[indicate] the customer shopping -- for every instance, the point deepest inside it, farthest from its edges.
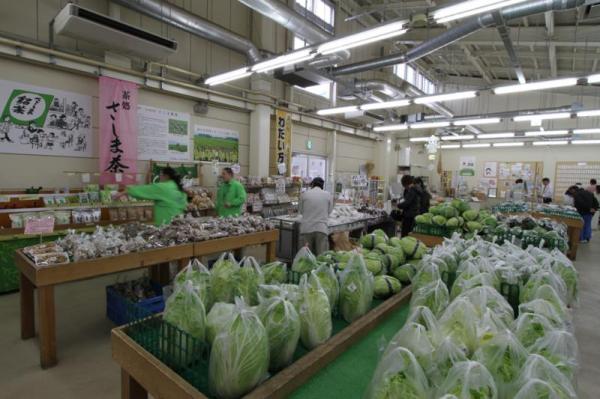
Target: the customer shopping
(315, 206)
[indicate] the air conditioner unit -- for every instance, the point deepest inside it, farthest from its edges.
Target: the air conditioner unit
(80, 23)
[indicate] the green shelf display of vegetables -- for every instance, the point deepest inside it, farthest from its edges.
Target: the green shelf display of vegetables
(486, 321)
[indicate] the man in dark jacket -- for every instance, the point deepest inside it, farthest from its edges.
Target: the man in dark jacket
(586, 204)
(425, 197)
(410, 204)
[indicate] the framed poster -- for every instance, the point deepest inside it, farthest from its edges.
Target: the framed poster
(490, 169)
(467, 166)
(41, 121)
(215, 144)
(164, 135)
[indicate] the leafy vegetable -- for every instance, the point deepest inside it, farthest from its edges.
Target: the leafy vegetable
(315, 314)
(415, 338)
(185, 310)
(413, 248)
(469, 380)
(404, 273)
(329, 283)
(275, 273)
(529, 327)
(459, 323)
(282, 323)
(433, 295)
(247, 279)
(218, 319)
(304, 261)
(445, 356)
(537, 367)
(559, 347)
(199, 275)
(386, 286)
(356, 289)
(222, 278)
(370, 241)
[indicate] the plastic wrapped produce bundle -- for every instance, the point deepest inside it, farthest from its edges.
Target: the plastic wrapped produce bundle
(275, 273)
(560, 348)
(424, 316)
(445, 356)
(548, 293)
(356, 289)
(404, 273)
(433, 295)
(564, 267)
(538, 389)
(426, 274)
(282, 324)
(529, 327)
(185, 310)
(490, 325)
(487, 297)
(414, 337)
(247, 278)
(540, 278)
(503, 356)
(545, 308)
(239, 357)
(329, 283)
(315, 314)
(199, 275)
(218, 319)
(222, 278)
(398, 375)
(464, 283)
(469, 380)
(304, 261)
(459, 323)
(537, 367)
(413, 248)
(386, 286)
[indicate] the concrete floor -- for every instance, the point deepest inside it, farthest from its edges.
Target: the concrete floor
(86, 370)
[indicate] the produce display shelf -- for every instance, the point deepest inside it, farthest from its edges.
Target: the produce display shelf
(79, 207)
(45, 278)
(144, 373)
(428, 240)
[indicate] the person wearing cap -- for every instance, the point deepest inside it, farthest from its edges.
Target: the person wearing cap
(315, 206)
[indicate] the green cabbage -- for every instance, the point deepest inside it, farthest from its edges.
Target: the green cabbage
(247, 279)
(529, 327)
(386, 286)
(329, 283)
(222, 278)
(392, 261)
(239, 357)
(404, 273)
(199, 275)
(218, 319)
(470, 215)
(315, 314)
(356, 289)
(452, 223)
(304, 261)
(370, 241)
(439, 220)
(282, 324)
(275, 273)
(374, 264)
(395, 242)
(185, 310)
(425, 218)
(413, 248)
(474, 226)
(328, 257)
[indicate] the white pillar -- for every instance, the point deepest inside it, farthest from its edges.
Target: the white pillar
(260, 130)
(332, 142)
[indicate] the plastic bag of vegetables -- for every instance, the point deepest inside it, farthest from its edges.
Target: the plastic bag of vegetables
(560, 348)
(356, 289)
(275, 273)
(424, 316)
(239, 356)
(459, 323)
(282, 323)
(503, 356)
(537, 367)
(487, 297)
(546, 309)
(329, 282)
(490, 325)
(199, 275)
(304, 261)
(222, 278)
(415, 338)
(428, 273)
(315, 313)
(529, 327)
(540, 278)
(537, 389)
(218, 319)
(565, 269)
(445, 356)
(469, 380)
(247, 278)
(433, 295)
(398, 375)
(548, 293)
(185, 310)
(463, 283)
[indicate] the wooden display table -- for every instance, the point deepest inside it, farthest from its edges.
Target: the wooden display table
(143, 374)
(430, 241)
(45, 278)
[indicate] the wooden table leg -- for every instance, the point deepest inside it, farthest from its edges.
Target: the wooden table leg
(271, 254)
(130, 388)
(574, 235)
(27, 308)
(47, 326)
(160, 274)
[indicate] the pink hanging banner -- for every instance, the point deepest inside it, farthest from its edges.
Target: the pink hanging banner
(118, 131)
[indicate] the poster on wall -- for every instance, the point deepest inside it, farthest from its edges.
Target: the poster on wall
(41, 121)
(215, 144)
(164, 135)
(467, 166)
(118, 131)
(504, 170)
(490, 169)
(283, 141)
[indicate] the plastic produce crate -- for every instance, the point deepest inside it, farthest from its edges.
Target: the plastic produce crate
(121, 310)
(433, 230)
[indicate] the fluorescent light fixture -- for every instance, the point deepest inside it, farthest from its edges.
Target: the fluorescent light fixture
(449, 146)
(562, 142)
(472, 7)
(428, 125)
(585, 141)
(385, 105)
(284, 60)
(586, 131)
(547, 133)
(480, 121)
(365, 37)
(542, 117)
(390, 128)
(592, 112)
(495, 135)
(534, 86)
(593, 78)
(338, 110)
(456, 138)
(438, 98)
(419, 139)
(511, 144)
(477, 145)
(228, 76)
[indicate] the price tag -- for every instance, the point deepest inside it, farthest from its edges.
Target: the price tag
(39, 225)
(85, 177)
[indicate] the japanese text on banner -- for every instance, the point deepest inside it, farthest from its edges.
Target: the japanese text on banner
(283, 142)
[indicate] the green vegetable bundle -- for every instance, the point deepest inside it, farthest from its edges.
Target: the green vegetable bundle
(329, 283)
(469, 380)
(415, 338)
(222, 280)
(386, 286)
(559, 347)
(218, 319)
(404, 273)
(537, 367)
(413, 248)
(530, 327)
(315, 313)
(434, 295)
(445, 356)
(370, 241)
(185, 310)
(356, 289)
(199, 275)
(247, 278)
(459, 322)
(275, 273)
(304, 261)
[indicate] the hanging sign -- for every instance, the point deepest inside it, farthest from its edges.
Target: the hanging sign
(283, 141)
(118, 130)
(43, 225)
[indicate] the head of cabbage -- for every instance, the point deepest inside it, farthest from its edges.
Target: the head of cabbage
(199, 275)
(222, 278)
(315, 313)
(356, 289)
(185, 310)
(247, 278)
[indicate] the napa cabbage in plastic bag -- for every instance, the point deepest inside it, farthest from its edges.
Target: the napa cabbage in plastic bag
(487, 297)
(275, 273)
(428, 273)
(548, 293)
(464, 283)
(538, 389)
(490, 325)
(398, 375)
(544, 308)
(529, 327)
(538, 367)
(433, 295)
(560, 348)
(329, 283)
(304, 261)
(222, 280)
(445, 356)
(315, 313)
(543, 277)
(247, 278)
(185, 310)
(415, 338)
(218, 319)
(565, 269)
(239, 357)
(356, 289)
(469, 380)
(503, 356)
(199, 275)
(282, 323)
(459, 323)
(424, 316)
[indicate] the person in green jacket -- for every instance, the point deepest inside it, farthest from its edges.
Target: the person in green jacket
(169, 198)
(231, 195)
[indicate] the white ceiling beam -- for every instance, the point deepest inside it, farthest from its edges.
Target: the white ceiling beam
(473, 60)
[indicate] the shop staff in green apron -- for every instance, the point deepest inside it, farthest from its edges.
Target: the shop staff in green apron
(231, 195)
(169, 198)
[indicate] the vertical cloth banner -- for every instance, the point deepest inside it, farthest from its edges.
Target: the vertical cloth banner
(283, 142)
(118, 131)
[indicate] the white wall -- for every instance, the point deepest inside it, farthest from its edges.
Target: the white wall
(353, 152)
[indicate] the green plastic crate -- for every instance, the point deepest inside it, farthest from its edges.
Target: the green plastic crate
(433, 230)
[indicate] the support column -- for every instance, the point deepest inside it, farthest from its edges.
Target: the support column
(332, 141)
(384, 163)
(260, 130)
